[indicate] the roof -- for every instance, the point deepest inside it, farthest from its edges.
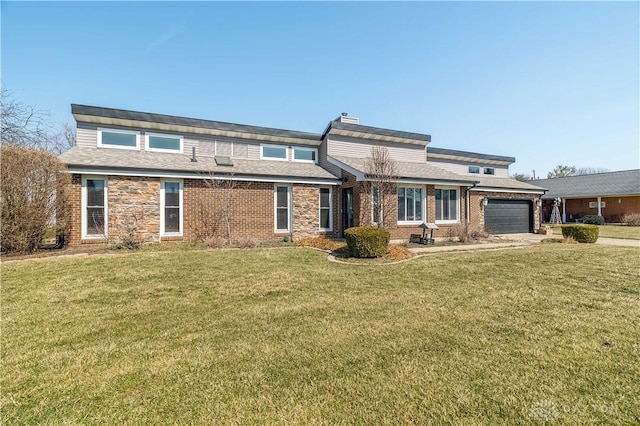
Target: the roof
(487, 183)
(367, 132)
(408, 171)
(626, 182)
(464, 155)
(169, 163)
(101, 115)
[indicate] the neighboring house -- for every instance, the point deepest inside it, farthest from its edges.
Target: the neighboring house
(174, 178)
(611, 195)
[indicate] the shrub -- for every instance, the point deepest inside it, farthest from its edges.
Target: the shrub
(248, 242)
(593, 219)
(581, 233)
(32, 197)
(367, 241)
(632, 219)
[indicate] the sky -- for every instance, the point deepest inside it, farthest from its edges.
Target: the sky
(547, 83)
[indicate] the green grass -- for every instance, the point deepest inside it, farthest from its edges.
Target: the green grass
(281, 336)
(612, 231)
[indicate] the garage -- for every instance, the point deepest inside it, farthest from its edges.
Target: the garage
(508, 216)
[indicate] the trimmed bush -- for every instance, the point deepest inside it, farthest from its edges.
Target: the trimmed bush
(367, 241)
(581, 233)
(593, 219)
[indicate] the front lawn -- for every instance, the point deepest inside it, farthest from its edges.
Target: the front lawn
(547, 333)
(612, 231)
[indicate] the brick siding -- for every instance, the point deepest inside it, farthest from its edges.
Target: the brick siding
(616, 208)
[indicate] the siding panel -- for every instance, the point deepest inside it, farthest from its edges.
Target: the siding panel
(350, 147)
(463, 168)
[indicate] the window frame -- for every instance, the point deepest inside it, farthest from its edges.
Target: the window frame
(423, 204)
(448, 188)
(330, 208)
(84, 199)
(375, 192)
(164, 233)
(492, 173)
(275, 208)
(301, 148)
(286, 152)
(147, 135)
(102, 130)
(475, 168)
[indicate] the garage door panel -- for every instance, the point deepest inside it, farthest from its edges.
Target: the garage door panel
(508, 216)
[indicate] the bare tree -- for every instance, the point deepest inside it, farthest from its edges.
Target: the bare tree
(590, 171)
(217, 211)
(22, 124)
(522, 177)
(380, 173)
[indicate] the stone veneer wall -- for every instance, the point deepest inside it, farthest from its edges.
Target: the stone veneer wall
(134, 201)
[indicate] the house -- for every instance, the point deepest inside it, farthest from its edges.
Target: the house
(611, 195)
(174, 178)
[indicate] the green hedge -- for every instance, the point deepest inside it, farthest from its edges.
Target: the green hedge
(581, 233)
(366, 241)
(593, 219)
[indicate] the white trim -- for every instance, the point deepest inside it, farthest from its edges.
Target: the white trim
(162, 206)
(304, 148)
(330, 228)
(163, 135)
(83, 206)
(126, 132)
(458, 194)
(523, 191)
(275, 209)
(265, 145)
(200, 175)
(423, 204)
(464, 183)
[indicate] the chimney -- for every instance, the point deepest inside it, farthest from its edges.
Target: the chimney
(344, 118)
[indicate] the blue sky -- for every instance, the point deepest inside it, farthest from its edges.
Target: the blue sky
(548, 83)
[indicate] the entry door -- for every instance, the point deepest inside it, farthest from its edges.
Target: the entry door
(347, 209)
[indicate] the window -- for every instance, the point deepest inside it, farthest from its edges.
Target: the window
(410, 204)
(122, 139)
(282, 207)
(273, 152)
(325, 209)
(171, 208)
(304, 154)
(94, 211)
(447, 205)
(474, 170)
(376, 206)
(489, 171)
(164, 143)
(594, 204)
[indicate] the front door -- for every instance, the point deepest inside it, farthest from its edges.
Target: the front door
(347, 209)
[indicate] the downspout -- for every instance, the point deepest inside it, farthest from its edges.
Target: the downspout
(468, 203)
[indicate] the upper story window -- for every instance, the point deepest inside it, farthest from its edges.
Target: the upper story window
(304, 154)
(163, 143)
(273, 152)
(489, 171)
(122, 139)
(284, 153)
(474, 170)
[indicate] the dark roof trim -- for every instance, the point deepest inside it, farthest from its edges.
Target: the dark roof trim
(376, 131)
(477, 155)
(192, 122)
